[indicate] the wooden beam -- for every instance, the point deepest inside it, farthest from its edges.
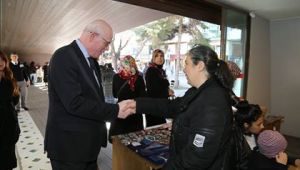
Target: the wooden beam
(196, 9)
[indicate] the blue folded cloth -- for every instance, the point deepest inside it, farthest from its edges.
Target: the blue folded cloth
(156, 159)
(154, 150)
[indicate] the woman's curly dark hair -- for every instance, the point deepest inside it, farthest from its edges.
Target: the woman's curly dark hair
(246, 113)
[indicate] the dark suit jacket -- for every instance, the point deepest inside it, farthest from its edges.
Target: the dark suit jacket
(77, 113)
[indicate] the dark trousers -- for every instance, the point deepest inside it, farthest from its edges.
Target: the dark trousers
(63, 165)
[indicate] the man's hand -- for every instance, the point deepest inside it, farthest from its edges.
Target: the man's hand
(126, 108)
(27, 83)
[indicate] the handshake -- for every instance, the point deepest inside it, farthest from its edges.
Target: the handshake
(126, 108)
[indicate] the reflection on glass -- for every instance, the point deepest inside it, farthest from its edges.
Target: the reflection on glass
(236, 34)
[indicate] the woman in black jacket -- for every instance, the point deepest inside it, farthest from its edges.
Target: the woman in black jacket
(157, 84)
(127, 84)
(203, 117)
(9, 127)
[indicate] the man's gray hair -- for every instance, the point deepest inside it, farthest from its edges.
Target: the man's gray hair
(95, 26)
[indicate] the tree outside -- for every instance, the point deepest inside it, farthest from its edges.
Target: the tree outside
(175, 35)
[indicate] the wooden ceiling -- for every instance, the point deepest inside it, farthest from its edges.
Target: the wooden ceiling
(41, 26)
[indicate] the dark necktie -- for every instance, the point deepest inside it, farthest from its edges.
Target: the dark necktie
(96, 69)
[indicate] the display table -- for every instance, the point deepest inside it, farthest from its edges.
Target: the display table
(132, 151)
(142, 150)
(124, 158)
(273, 122)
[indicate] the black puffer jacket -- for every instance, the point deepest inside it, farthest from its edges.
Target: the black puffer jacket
(201, 129)
(241, 149)
(9, 126)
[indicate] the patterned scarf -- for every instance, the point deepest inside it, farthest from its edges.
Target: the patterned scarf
(234, 69)
(128, 71)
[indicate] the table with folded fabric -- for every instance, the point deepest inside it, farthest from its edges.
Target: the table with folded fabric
(143, 150)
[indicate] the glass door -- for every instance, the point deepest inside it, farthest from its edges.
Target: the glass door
(234, 42)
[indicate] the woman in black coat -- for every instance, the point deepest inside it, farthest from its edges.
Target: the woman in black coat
(127, 84)
(203, 117)
(157, 84)
(9, 127)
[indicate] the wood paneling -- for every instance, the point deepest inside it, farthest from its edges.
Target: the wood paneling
(197, 9)
(42, 26)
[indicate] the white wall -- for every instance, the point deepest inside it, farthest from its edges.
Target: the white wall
(258, 91)
(274, 70)
(285, 76)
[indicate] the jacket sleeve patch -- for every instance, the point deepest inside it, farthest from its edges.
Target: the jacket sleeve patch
(199, 140)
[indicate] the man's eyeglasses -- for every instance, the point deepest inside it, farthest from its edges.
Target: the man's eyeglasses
(105, 41)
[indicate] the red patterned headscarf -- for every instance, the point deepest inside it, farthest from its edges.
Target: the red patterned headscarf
(128, 70)
(234, 68)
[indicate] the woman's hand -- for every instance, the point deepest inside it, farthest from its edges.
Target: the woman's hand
(171, 93)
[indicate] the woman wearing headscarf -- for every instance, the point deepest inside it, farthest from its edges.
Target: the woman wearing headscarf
(9, 127)
(157, 84)
(128, 83)
(202, 118)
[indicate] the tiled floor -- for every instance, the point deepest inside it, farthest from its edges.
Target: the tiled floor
(30, 145)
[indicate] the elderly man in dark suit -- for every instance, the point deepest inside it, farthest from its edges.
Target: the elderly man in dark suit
(77, 112)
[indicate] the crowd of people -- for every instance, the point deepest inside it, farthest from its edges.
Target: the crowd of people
(37, 73)
(207, 133)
